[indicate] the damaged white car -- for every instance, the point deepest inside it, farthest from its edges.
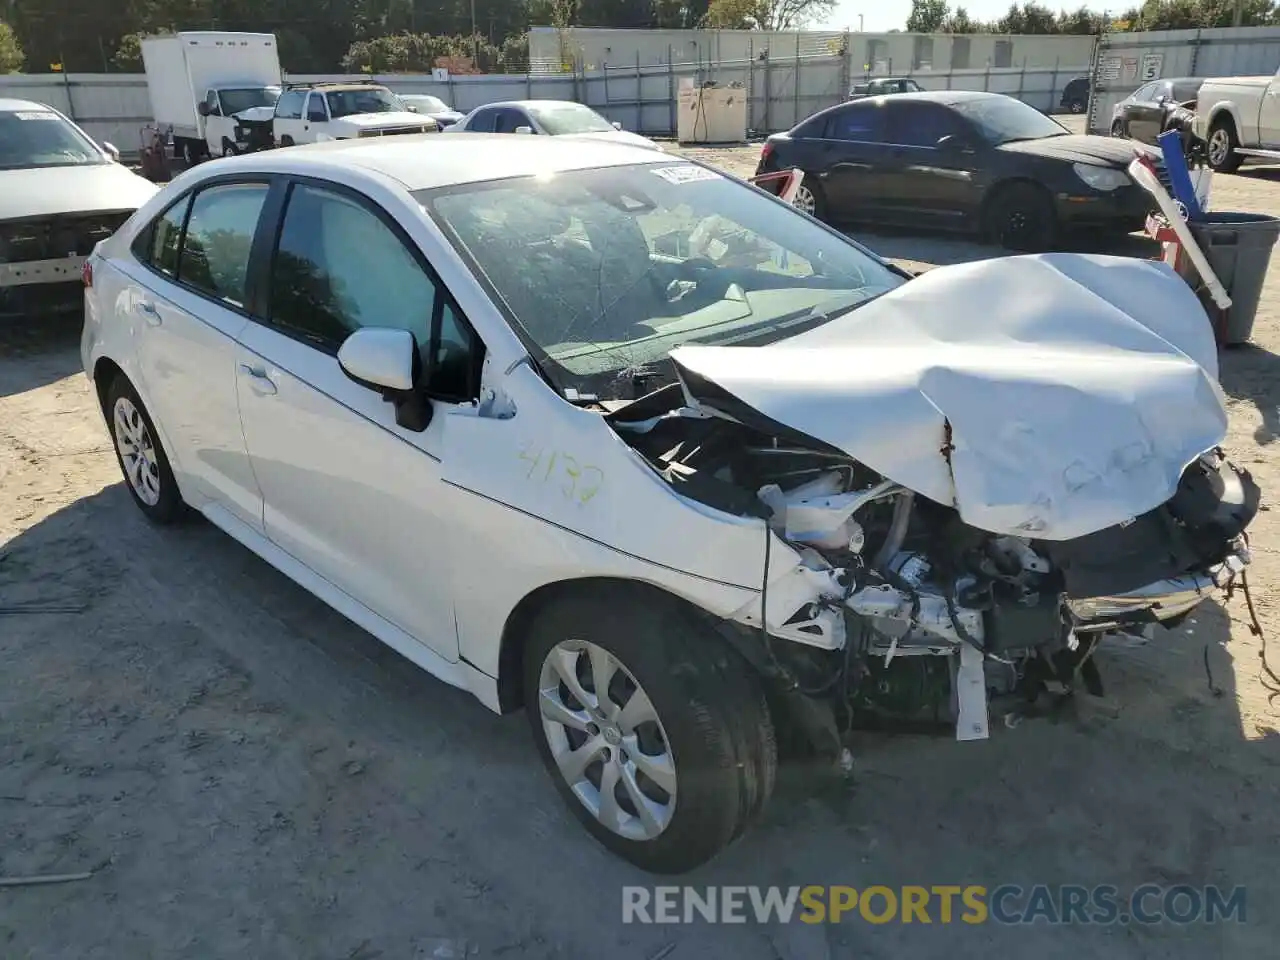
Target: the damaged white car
(690, 478)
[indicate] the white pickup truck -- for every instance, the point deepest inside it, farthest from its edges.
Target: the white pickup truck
(316, 112)
(1239, 119)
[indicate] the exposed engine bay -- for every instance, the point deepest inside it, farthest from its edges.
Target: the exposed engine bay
(899, 610)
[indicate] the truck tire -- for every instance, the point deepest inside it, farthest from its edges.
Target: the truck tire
(1221, 146)
(228, 148)
(286, 141)
(670, 792)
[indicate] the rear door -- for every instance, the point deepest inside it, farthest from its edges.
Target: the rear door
(920, 177)
(1145, 114)
(849, 158)
(187, 300)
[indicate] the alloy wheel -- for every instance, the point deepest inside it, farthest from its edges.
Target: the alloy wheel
(1219, 146)
(137, 451)
(805, 200)
(607, 740)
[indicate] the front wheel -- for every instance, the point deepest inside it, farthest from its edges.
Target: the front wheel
(229, 149)
(655, 732)
(1021, 217)
(1222, 147)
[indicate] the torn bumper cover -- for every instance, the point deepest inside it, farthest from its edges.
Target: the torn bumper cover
(1045, 430)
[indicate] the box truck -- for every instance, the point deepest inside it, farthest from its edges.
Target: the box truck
(216, 92)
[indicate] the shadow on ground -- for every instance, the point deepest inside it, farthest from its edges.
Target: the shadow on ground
(38, 350)
(1252, 373)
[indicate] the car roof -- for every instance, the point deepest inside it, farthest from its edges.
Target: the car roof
(524, 104)
(428, 161)
(10, 106)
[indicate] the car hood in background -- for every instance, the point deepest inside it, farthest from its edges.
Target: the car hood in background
(1079, 148)
(1046, 396)
(445, 116)
(255, 114)
(91, 188)
(398, 118)
(618, 136)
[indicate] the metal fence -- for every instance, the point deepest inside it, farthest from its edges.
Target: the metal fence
(1125, 61)
(781, 91)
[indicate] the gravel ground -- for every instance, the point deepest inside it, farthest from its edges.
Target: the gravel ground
(249, 775)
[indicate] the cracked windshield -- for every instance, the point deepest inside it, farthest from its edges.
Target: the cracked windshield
(607, 270)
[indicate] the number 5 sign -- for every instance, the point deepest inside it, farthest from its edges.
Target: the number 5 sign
(1152, 63)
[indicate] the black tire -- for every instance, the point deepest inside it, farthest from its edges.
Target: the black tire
(286, 141)
(709, 703)
(1227, 161)
(168, 506)
(229, 149)
(1077, 105)
(1020, 216)
(1117, 129)
(819, 210)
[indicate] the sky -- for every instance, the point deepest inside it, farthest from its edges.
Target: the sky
(882, 15)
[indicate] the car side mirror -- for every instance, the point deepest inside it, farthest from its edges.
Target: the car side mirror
(617, 124)
(411, 108)
(203, 108)
(388, 360)
(523, 129)
(111, 150)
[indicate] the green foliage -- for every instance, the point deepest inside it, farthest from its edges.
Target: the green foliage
(929, 16)
(11, 57)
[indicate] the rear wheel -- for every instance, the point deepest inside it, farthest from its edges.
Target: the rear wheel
(1077, 105)
(1117, 129)
(810, 199)
(142, 460)
(1222, 146)
(1021, 217)
(656, 734)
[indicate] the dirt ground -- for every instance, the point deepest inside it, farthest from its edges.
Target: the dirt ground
(249, 775)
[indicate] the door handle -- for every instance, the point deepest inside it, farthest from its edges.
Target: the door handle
(148, 311)
(259, 382)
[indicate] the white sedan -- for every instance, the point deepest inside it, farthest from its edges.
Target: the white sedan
(628, 444)
(555, 118)
(60, 193)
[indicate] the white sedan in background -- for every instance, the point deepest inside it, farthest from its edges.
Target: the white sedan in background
(60, 193)
(617, 440)
(554, 118)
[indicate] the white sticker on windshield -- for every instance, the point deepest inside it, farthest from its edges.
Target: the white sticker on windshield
(35, 115)
(688, 173)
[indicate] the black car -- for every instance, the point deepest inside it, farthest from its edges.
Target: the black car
(1075, 95)
(1146, 113)
(960, 160)
(883, 85)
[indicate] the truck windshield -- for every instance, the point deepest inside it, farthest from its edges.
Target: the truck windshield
(41, 138)
(347, 103)
(233, 101)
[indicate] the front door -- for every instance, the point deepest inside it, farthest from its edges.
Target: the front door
(1269, 117)
(925, 175)
(189, 306)
(347, 491)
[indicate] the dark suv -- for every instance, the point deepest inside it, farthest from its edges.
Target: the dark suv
(1075, 96)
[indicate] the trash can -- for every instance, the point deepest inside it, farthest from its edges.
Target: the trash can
(1238, 248)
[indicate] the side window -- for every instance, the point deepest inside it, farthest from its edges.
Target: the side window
(289, 106)
(862, 123)
(482, 122)
(212, 100)
(919, 124)
(315, 108)
(506, 121)
(215, 250)
(338, 267)
(158, 245)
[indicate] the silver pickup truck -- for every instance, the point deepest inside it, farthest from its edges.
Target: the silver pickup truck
(1239, 118)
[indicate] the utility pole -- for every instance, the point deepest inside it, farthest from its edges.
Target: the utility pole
(475, 38)
(1237, 13)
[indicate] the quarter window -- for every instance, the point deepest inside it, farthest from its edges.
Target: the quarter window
(165, 238)
(340, 267)
(219, 237)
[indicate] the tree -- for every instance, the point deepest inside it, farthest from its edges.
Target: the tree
(128, 56)
(927, 16)
(11, 57)
(730, 15)
(959, 21)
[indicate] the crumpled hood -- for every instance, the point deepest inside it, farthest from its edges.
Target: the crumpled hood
(90, 188)
(1081, 148)
(255, 114)
(1045, 396)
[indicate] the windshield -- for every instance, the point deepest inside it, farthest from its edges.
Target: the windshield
(429, 104)
(1006, 120)
(570, 118)
(346, 103)
(41, 138)
(605, 271)
(233, 101)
